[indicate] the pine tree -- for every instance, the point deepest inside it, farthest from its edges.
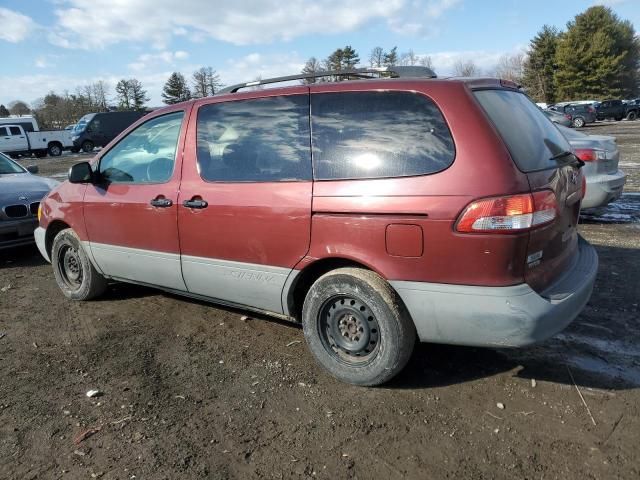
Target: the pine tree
(176, 89)
(350, 58)
(597, 57)
(3, 111)
(539, 68)
(391, 58)
(138, 94)
(123, 94)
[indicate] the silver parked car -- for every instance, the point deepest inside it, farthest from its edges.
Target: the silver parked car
(600, 154)
(20, 195)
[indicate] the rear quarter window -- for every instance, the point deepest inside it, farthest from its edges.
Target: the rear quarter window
(532, 139)
(378, 134)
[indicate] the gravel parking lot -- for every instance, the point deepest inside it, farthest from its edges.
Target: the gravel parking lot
(193, 390)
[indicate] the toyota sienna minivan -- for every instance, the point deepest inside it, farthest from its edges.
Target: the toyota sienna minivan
(374, 211)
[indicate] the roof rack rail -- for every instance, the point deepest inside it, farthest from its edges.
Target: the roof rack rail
(392, 72)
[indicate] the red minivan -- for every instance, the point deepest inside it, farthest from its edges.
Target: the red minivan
(372, 211)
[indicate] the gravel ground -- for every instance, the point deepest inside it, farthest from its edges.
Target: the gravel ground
(190, 390)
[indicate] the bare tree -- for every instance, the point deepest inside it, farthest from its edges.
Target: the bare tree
(20, 108)
(511, 67)
(466, 68)
(409, 58)
(205, 82)
(376, 57)
(426, 61)
(100, 92)
(311, 67)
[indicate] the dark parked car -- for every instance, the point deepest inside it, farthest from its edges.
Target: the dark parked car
(557, 117)
(352, 207)
(98, 129)
(615, 109)
(581, 114)
(20, 195)
(632, 109)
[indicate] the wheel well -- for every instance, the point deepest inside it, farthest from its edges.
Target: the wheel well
(308, 276)
(54, 142)
(53, 229)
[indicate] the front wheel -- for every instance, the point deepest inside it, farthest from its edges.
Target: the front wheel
(578, 122)
(87, 146)
(357, 327)
(632, 116)
(74, 273)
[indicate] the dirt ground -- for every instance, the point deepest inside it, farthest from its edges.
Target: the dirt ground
(190, 390)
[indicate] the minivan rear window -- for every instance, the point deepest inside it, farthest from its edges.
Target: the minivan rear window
(378, 134)
(532, 139)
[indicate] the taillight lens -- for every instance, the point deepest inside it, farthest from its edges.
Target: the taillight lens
(509, 214)
(590, 154)
(567, 116)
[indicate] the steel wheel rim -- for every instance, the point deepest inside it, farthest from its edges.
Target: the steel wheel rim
(55, 151)
(349, 330)
(70, 267)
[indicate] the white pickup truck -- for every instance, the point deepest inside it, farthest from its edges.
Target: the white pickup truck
(15, 141)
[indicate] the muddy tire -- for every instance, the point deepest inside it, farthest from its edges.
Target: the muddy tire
(74, 272)
(357, 327)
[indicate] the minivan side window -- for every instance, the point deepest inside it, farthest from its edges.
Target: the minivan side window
(378, 134)
(147, 154)
(257, 140)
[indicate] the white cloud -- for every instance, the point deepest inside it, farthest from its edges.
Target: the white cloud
(443, 62)
(14, 26)
(104, 22)
(149, 61)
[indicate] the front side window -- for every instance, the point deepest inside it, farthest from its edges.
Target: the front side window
(258, 140)
(15, 131)
(378, 134)
(145, 155)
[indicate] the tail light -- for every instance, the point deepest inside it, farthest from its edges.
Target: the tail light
(567, 116)
(509, 214)
(591, 109)
(590, 154)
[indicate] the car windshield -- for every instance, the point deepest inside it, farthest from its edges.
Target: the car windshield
(82, 123)
(8, 166)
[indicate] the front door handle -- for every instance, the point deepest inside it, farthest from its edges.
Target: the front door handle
(195, 202)
(161, 202)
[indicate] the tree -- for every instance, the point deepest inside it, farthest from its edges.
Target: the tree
(100, 92)
(466, 68)
(597, 57)
(131, 95)
(426, 62)
(20, 108)
(311, 67)
(510, 67)
(4, 112)
(350, 58)
(376, 57)
(409, 58)
(391, 58)
(539, 67)
(205, 82)
(175, 89)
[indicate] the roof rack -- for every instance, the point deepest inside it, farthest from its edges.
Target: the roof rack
(392, 72)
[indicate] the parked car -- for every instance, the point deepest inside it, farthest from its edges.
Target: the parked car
(352, 207)
(98, 129)
(15, 141)
(601, 155)
(20, 195)
(632, 109)
(611, 109)
(581, 114)
(557, 117)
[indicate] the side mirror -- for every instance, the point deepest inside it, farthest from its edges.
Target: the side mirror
(81, 173)
(33, 169)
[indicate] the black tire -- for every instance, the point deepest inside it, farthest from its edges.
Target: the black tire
(87, 146)
(578, 122)
(54, 149)
(632, 115)
(75, 275)
(357, 327)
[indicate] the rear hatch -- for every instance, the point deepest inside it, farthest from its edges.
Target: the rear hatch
(541, 152)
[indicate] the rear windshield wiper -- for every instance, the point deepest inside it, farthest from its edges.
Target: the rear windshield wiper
(568, 153)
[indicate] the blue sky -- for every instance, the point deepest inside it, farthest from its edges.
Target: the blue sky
(62, 44)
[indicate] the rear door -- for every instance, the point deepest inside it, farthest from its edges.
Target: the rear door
(244, 211)
(533, 141)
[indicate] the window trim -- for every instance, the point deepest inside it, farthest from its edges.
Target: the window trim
(386, 177)
(261, 97)
(135, 127)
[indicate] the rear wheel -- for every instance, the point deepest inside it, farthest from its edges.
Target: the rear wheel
(578, 122)
(357, 327)
(87, 146)
(74, 273)
(55, 149)
(632, 115)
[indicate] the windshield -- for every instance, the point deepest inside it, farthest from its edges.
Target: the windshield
(8, 166)
(82, 123)
(532, 139)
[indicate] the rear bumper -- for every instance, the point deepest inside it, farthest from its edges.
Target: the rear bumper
(602, 189)
(500, 316)
(18, 232)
